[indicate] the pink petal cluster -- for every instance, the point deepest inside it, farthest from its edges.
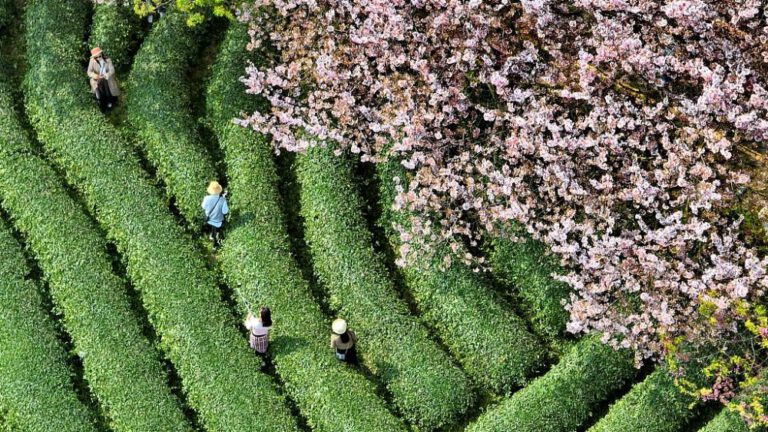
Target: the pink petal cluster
(608, 129)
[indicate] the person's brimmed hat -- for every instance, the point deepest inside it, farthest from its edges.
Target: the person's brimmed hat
(95, 52)
(339, 326)
(214, 188)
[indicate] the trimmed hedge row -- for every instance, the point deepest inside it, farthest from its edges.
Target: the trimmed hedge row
(256, 259)
(157, 101)
(654, 405)
(492, 343)
(116, 29)
(219, 373)
(527, 267)
(726, 421)
(36, 393)
(563, 398)
(97, 312)
(429, 389)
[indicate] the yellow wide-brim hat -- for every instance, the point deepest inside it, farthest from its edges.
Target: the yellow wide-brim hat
(214, 188)
(339, 326)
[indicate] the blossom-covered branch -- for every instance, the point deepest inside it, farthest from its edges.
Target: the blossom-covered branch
(607, 128)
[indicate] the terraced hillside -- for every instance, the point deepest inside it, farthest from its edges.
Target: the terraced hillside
(117, 315)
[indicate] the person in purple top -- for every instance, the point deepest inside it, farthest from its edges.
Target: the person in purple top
(259, 334)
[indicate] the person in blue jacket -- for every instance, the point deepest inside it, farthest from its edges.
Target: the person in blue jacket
(215, 207)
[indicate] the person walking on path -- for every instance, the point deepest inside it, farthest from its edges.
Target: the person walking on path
(215, 206)
(103, 81)
(259, 337)
(343, 341)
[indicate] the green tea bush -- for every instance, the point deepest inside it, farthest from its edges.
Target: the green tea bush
(158, 100)
(654, 405)
(36, 393)
(726, 421)
(97, 314)
(492, 343)
(116, 29)
(429, 390)
(256, 259)
(563, 398)
(219, 374)
(527, 267)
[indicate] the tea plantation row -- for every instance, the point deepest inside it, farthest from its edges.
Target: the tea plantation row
(405, 372)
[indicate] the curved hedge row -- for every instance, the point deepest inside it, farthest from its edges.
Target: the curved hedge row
(563, 398)
(428, 388)
(491, 342)
(726, 421)
(527, 267)
(256, 258)
(97, 313)
(116, 29)
(219, 373)
(654, 405)
(36, 393)
(157, 101)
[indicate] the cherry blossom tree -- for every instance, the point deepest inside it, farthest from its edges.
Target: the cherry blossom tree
(607, 128)
(611, 130)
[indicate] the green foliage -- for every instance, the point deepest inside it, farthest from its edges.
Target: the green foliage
(527, 267)
(491, 342)
(143, 8)
(93, 300)
(116, 29)
(157, 100)
(741, 366)
(36, 394)
(564, 398)
(430, 391)
(226, 98)
(196, 10)
(219, 373)
(654, 405)
(726, 421)
(6, 12)
(257, 259)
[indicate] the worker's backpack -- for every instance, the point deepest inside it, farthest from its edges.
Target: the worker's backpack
(342, 355)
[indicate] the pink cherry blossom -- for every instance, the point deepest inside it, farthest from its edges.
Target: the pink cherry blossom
(608, 129)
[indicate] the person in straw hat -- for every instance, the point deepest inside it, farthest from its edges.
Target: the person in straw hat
(215, 207)
(102, 76)
(343, 341)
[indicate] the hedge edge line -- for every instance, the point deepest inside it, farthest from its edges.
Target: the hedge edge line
(157, 100)
(97, 312)
(527, 268)
(563, 398)
(220, 375)
(492, 344)
(36, 393)
(256, 259)
(654, 405)
(429, 389)
(726, 421)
